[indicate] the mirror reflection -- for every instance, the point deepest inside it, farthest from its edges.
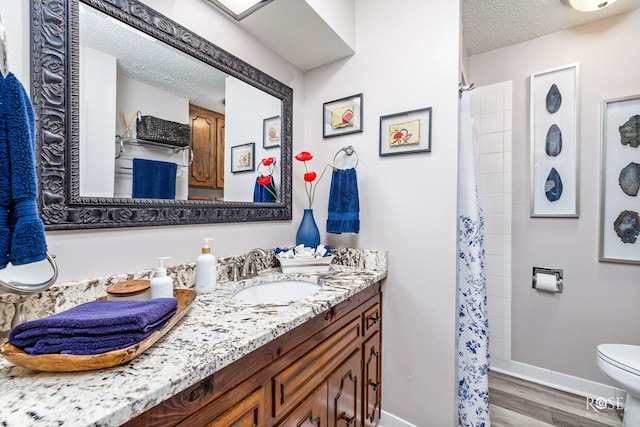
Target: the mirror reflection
(138, 96)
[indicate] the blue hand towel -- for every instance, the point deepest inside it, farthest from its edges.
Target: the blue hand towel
(153, 179)
(261, 193)
(22, 237)
(96, 320)
(344, 204)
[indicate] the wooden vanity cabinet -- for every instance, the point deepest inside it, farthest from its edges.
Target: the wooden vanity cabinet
(207, 145)
(324, 373)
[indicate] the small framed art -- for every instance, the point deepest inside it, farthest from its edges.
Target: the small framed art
(620, 181)
(243, 157)
(405, 133)
(342, 116)
(553, 142)
(271, 132)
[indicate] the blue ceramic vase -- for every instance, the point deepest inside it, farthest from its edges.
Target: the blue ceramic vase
(308, 233)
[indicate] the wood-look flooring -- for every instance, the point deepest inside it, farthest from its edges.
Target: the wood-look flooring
(518, 403)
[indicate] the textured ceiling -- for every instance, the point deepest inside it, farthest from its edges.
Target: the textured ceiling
(142, 58)
(492, 24)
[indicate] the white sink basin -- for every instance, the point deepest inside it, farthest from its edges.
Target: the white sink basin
(274, 292)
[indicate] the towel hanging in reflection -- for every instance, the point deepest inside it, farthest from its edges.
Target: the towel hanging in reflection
(264, 193)
(344, 202)
(153, 179)
(22, 237)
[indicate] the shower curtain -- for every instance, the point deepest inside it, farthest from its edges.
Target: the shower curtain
(473, 325)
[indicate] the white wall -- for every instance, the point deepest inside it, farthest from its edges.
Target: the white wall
(98, 81)
(408, 202)
(559, 333)
(245, 110)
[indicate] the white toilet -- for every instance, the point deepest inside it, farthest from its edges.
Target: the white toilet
(621, 363)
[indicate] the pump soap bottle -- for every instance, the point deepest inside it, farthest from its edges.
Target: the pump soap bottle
(161, 284)
(206, 269)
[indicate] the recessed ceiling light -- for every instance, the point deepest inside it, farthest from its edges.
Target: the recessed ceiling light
(588, 5)
(240, 9)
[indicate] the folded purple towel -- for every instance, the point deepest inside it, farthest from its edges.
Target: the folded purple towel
(86, 345)
(97, 320)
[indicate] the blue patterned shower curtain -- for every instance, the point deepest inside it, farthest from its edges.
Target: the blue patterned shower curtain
(473, 325)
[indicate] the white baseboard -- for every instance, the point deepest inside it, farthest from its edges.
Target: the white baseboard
(390, 420)
(557, 380)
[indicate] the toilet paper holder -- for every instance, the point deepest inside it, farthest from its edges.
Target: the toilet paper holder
(547, 279)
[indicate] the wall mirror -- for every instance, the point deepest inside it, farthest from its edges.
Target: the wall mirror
(88, 84)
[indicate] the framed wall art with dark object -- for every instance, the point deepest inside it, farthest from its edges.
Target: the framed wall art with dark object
(405, 133)
(243, 158)
(342, 116)
(620, 181)
(271, 132)
(554, 142)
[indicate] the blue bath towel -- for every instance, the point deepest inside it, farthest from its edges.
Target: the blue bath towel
(22, 237)
(88, 326)
(261, 193)
(153, 179)
(344, 203)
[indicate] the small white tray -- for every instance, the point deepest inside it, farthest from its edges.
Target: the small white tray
(305, 265)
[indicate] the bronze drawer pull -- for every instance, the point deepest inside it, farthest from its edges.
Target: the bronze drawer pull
(374, 386)
(374, 319)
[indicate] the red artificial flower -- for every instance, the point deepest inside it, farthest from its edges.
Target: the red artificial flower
(264, 180)
(309, 176)
(304, 156)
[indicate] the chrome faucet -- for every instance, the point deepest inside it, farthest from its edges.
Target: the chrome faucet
(248, 266)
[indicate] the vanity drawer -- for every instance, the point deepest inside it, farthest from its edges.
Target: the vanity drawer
(372, 318)
(304, 375)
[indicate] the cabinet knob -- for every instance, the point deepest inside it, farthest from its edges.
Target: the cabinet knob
(315, 421)
(375, 318)
(374, 386)
(349, 421)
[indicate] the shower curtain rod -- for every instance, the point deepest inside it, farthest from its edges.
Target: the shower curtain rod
(4, 67)
(463, 88)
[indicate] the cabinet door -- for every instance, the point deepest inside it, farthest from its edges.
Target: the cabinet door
(372, 380)
(207, 141)
(311, 413)
(345, 393)
(248, 412)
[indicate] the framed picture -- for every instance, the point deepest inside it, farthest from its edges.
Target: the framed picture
(271, 132)
(620, 181)
(406, 132)
(553, 142)
(342, 116)
(243, 157)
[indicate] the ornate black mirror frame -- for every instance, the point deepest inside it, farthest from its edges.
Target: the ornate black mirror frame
(54, 92)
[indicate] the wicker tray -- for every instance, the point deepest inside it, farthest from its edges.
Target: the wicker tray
(73, 362)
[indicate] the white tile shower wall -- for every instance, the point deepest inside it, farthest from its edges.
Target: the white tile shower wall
(491, 111)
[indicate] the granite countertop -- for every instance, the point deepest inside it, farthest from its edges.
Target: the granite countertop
(215, 332)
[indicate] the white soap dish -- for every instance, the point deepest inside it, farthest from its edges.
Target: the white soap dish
(305, 265)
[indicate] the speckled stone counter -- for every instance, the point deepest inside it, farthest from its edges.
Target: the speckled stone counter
(215, 332)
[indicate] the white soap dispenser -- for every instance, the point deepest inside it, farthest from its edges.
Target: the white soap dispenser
(206, 269)
(161, 284)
